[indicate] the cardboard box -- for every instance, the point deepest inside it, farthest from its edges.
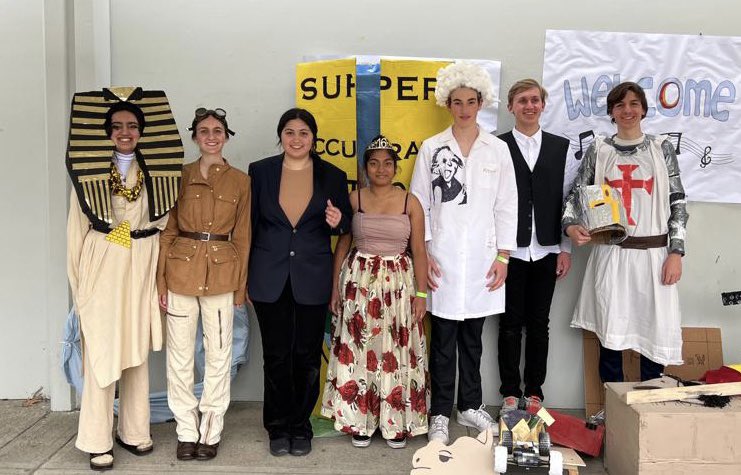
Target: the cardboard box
(670, 437)
(701, 350)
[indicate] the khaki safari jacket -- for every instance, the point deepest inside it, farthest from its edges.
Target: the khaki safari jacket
(217, 205)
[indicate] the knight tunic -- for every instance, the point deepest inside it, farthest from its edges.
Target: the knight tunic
(622, 299)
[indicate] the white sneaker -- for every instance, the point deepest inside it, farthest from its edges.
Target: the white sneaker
(479, 419)
(361, 441)
(438, 429)
(509, 404)
(399, 443)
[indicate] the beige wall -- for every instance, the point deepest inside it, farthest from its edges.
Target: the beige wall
(240, 55)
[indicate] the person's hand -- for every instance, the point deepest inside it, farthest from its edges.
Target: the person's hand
(335, 305)
(419, 308)
(563, 265)
(163, 302)
(246, 299)
(433, 272)
(578, 234)
(333, 215)
(496, 276)
(671, 271)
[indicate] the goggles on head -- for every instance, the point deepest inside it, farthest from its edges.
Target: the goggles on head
(218, 113)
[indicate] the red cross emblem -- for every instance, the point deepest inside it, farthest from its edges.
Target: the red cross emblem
(626, 185)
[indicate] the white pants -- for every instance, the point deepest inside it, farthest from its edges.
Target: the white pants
(94, 433)
(217, 313)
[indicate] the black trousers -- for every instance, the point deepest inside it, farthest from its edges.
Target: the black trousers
(292, 336)
(529, 293)
(449, 336)
(611, 366)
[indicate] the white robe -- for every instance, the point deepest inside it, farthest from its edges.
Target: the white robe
(622, 298)
(464, 232)
(114, 287)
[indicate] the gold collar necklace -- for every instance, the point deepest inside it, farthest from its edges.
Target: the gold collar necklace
(118, 188)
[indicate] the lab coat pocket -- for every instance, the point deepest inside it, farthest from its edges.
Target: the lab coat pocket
(487, 175)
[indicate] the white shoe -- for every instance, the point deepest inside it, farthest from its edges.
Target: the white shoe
(399, 443)
(438, 429)
(361, 441)
(479, 419)
(509, 404)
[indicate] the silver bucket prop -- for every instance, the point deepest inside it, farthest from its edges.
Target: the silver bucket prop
(604, 214)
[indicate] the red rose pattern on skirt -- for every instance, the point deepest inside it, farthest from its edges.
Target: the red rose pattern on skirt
(377, 373)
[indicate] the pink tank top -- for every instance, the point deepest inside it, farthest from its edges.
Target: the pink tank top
(381, 234)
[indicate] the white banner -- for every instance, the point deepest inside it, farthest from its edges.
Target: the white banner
(692, 85)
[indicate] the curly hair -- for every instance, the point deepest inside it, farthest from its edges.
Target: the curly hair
(463, 74)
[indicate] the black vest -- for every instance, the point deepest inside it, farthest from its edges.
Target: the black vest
(541, 189)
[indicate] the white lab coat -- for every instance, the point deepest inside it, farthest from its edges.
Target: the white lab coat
(468, 219)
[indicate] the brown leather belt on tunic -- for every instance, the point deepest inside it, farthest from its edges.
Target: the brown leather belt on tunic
(644, 242)
(205, 236)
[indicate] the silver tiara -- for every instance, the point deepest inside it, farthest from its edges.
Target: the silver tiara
(381, 143)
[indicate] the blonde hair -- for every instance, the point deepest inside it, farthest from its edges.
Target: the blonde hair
(524, 85)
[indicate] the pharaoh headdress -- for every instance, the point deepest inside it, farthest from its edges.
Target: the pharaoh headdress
(159, 152)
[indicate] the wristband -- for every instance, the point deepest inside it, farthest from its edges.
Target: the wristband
(421, 294)
(502, 259)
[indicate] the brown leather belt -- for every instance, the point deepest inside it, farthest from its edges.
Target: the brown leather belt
(644, 242)
(205, 236)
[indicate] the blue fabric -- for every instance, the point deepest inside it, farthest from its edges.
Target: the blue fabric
(71, 351)
(368, 104)
(159, 411)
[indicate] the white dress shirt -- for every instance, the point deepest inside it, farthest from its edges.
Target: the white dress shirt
(530, 149)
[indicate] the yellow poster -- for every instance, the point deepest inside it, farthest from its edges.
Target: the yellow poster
(409, 114)
(327, 90)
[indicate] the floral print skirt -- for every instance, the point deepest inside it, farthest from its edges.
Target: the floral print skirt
(377, 373)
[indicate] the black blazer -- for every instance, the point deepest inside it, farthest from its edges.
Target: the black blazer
(303, 254)
(541, 189)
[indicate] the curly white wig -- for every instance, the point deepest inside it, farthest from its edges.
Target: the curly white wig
(463, 74)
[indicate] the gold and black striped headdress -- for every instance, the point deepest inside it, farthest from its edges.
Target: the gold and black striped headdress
(159, 152)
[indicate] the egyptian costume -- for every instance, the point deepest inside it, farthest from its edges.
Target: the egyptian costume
(112, 248)
(623, 299)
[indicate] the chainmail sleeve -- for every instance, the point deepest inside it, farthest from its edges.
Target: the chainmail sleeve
(677, 201)
(572, 213)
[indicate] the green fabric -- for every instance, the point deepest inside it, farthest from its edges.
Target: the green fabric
(323, 427)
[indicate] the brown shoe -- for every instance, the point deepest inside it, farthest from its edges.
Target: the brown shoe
(186, 450)
(207, 452)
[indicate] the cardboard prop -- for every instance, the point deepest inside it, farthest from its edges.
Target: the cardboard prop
(89, 151)
(466, 455)
(604, 214)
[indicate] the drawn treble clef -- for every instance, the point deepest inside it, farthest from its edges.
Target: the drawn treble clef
(706, 158)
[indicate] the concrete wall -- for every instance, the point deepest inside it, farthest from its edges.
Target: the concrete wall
(241, 55)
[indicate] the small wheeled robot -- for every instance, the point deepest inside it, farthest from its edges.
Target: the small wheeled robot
(524, 442)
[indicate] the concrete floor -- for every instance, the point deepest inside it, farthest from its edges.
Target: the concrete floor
(35, 440)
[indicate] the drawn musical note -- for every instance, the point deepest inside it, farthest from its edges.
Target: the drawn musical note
(706, 155)
(678, 136)
(706, 158)
(583, 136)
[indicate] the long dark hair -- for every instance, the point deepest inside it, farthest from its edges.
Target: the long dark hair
(304, 116)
